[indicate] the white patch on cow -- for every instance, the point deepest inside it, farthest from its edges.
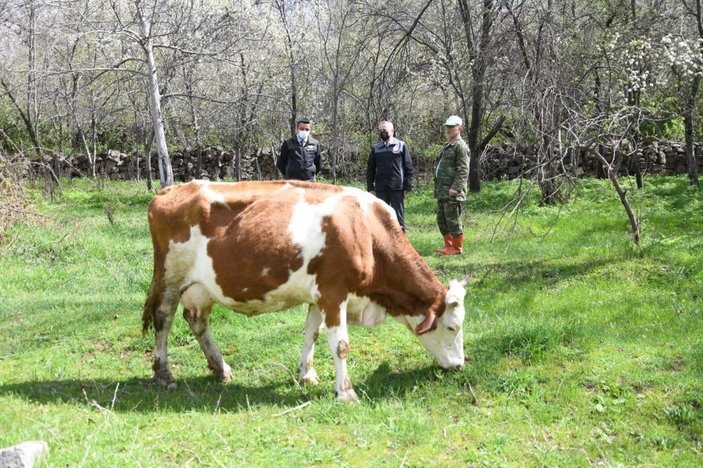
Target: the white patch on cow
(306, 225)
(188, 262)
(212, 195)
(365, 200)
(363, 311)
(265, 271)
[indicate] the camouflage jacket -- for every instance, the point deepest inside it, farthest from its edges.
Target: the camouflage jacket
(452, 171)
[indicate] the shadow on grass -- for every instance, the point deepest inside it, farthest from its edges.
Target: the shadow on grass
(145, 396)
(507, 275)
(385, 382)
(206, 394)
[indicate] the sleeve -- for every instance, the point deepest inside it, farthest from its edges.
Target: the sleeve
(318, 159)
(462, 168)
(282, 160)
(408, 169)
(370, 172)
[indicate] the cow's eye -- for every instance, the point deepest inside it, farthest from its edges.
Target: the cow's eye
(451, 329)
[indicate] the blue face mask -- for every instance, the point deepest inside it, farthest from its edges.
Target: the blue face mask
(303, 135)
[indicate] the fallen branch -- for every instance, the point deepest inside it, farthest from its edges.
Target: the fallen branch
(290, 410)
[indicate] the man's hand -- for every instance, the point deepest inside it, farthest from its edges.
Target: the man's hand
(452, 192)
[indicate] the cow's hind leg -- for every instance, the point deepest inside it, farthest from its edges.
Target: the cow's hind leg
(338, 340)
(163, 319)
(197, 307)
(307, 374)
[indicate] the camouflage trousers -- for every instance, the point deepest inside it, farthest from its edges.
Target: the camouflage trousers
(449, 217)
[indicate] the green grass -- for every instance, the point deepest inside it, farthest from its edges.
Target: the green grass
(582, 348)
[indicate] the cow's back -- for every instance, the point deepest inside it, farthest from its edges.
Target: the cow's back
(260, 246)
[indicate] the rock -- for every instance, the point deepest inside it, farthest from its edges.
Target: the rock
(23, 455)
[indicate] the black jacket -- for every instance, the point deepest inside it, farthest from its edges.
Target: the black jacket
(389, 167)
(298, 162)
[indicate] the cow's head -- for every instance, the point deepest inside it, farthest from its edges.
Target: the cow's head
(443, 336)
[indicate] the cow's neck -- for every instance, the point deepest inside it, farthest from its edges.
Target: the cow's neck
(405, 284)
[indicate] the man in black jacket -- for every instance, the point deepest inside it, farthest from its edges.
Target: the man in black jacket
(389, 170)
(300, 155)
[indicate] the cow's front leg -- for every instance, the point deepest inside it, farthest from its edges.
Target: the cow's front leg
(307, 374)
(199, 321)
(338, 340)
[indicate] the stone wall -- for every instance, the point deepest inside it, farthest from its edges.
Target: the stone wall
(211, 163)
(498, 162)
(654, 157)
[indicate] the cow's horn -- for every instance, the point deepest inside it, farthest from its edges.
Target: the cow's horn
(427, 324)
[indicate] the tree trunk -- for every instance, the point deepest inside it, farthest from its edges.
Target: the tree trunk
(165, 168)
(149, 177)
(26, 118)
(32, 95)
(333, 148)
(238, 163)
(478, 72)
(634, 225)
(280, 6)
(691, 164)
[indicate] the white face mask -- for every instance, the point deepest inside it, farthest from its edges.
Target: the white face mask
(303, 134)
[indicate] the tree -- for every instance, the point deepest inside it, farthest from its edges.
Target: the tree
(684, 55)
(341, 51)
(479, 53)
(21, 22)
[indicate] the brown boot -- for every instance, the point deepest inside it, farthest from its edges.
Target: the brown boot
(455, 247)
(447, 243)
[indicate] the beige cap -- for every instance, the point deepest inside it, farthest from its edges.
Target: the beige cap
(453, 121)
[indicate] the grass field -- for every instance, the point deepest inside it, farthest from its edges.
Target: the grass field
(582, 348)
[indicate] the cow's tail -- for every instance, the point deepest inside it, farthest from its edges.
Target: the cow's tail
(150, 305)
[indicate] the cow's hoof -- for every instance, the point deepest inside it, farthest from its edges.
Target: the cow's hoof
(348, 396)
(164, 378)
(310, 378)
(225, 375)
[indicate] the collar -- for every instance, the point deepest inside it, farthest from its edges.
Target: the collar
(447, 145)
(391, 141)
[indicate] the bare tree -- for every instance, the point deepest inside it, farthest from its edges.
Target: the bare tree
(341, 51)
(687, 67)
(283, 11)
(479, 53)
(22, 20)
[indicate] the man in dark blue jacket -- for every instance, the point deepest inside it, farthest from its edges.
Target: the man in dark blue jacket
(300, 155)
(389, 170)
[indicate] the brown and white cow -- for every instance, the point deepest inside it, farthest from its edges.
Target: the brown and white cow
(258, 247)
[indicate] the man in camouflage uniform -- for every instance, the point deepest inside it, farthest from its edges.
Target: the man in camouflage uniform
(450, 178)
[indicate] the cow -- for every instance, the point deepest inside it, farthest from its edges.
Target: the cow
(258, 247)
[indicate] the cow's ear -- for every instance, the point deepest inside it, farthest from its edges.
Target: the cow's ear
(428, 324)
